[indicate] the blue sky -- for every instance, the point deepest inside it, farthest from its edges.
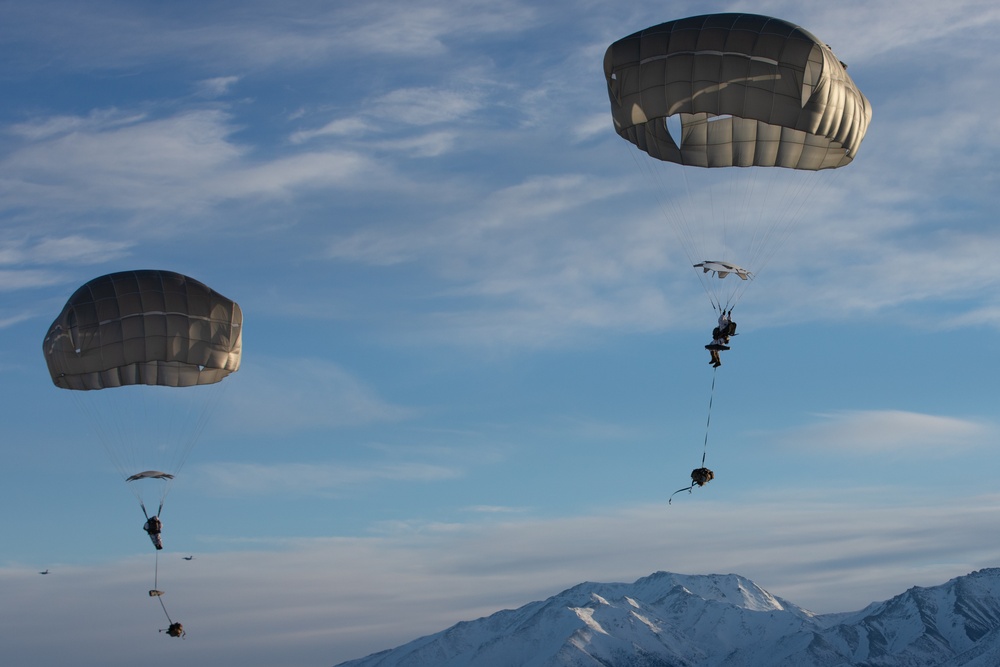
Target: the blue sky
(473, 367)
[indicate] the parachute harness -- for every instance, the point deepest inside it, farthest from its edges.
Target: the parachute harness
(159, 510)
(705, 472)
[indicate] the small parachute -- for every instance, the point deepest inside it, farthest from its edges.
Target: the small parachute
(149, 474)
(722, 269)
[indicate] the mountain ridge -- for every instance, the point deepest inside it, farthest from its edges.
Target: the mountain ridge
(667, 619)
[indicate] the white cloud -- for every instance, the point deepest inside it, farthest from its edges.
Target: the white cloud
(283, 176)
(425, 106)
(112, 34)
(154, 177)
(98, 120)
(340, 127)
(137, 165)
(863, 31)
(216, 86)
(11, 280)
(496, 509)
(11, 320)
(874, 431)
(71, 249)
(423, 28)
(431, 144)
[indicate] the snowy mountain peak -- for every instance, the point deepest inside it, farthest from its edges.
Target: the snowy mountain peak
(673, 620)
(726, 588)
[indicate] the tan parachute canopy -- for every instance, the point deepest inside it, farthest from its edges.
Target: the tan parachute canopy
(735, 90)
(750, 91)
(144, 328)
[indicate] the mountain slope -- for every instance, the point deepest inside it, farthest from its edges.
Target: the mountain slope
(674, 620)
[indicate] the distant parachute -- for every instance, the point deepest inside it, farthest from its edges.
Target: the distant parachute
(142, 335)
(735, 90)
(149, 474)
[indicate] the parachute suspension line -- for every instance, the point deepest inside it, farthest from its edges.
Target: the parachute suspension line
(106, 427)
(712, 224)
(783, 197)
(190, 427)
(201, 414)
(810, 188)
(786, 198)
(754, 210)
(124, 429)
(704, 451)
(684, 230)
(744, 215)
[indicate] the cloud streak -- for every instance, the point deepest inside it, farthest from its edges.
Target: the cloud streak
(868, 431)
(322, 479)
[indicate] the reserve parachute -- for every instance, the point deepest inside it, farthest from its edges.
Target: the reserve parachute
(725, 100)
(143, 352)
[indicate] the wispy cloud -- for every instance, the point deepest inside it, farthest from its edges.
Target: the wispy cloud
(116, 35)
(177, 168)
(425, 106)
(216, 86)
(496, 509)
(11, 280)
(870, 30)
(324, 479)
(340, 127)
(71, 249)
(873, 431)
(138, 164)
(282, 395)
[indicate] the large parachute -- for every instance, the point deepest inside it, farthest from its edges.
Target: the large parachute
(123, 345)
(720, 102)
(735, 90)
(144, 328)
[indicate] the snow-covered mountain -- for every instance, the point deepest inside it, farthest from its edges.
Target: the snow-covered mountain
(674, 620)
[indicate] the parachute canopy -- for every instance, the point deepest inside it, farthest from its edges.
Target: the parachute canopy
(144, 328)
(735, 90)
(149, 474)
(749, 90)
(723, 269)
